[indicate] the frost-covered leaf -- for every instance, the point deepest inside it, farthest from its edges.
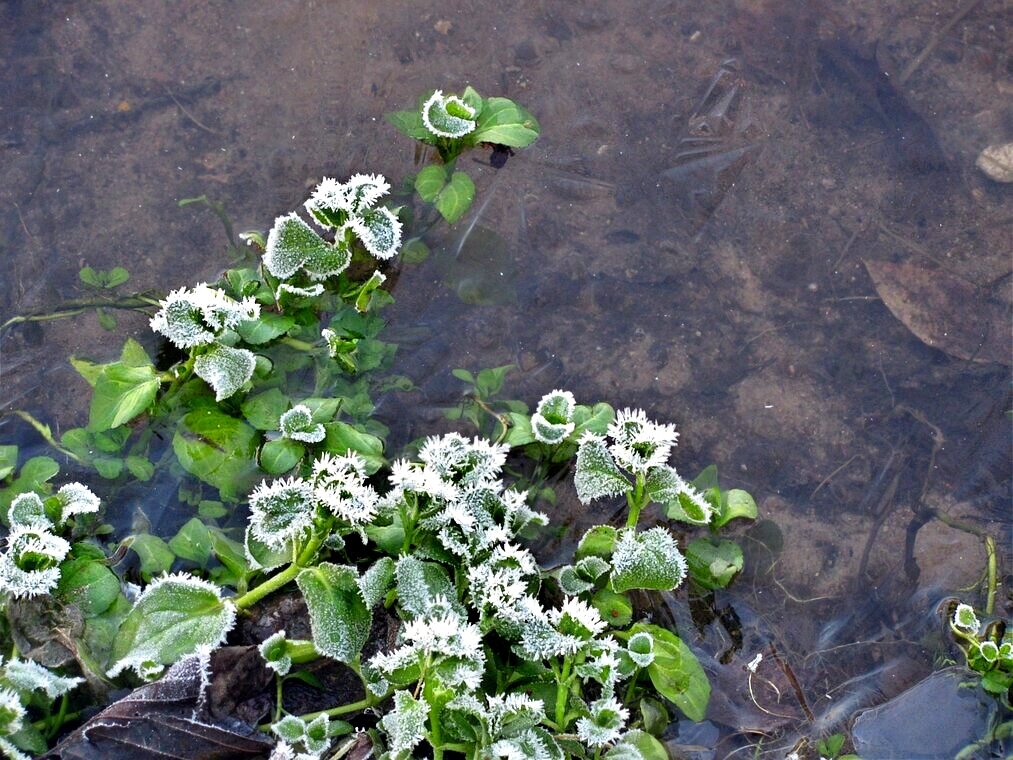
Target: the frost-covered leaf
(638, 745)
(405, 725)
(261, 556)
(605, 723)
(293, 245)
(289, 729)
(281, 511)
(31, 565)
(553, 417)
(532, 744)
(12, 712)
(689, 505)
(965, 619)
(419, 583)
(377, 581)
(297, 424)
(28, 509)
(76, 499)
(640, 648)
(362, 191)
(447, 116)
(379, 230)
(190, 318)
(339, 617)
(27, 676)
(648, 560)
(225, 369)
(572, 584)
(597, 475)
(176, 615)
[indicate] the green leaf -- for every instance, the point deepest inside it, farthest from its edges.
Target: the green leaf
(414, 251)
(430, 181)
(107, 321)
(264, 410)
(707, 479)
(279, 456)
(342, 438)
(8, 460)
(615, 609)
(676, 673)
(218, 449)
(88, 584)
(455, 199)
(264, 556)
(597, 475)
(192, 542)
(713, 564)
(490, 380)
(268, 327)
(108, 467)
(599, 541)
(409, 123)
(155, 555)
(376, 581)
(90, 371)
(121, 393)
(210, 509)
(735, 503)
(230, 553)
(134, 355)
(831, 745)
(464, 375)
(339, 617)
(519, 433)
(225, 369)
(32, 477)
(172, 618)
(140, 467)
(503, 122)
(646, 744)
(418, 583)
(655, 715)
(90, 277)
(649, 560)
(116, 276)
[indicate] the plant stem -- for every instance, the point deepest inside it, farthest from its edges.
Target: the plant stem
(562, 692)
(275, 582)
(990, 599)
(636, 501)
(277, 697)
(295, 343)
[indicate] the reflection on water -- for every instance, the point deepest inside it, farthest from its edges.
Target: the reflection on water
(689, 235)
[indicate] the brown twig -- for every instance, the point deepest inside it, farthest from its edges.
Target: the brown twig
(936, 39)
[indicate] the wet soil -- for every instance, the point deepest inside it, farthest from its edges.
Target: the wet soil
(688, 235)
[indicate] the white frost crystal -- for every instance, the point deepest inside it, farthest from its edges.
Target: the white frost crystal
(597, 475)
(640, 648)
(27, 676)
(175, 616)
(339, 483)
(648, 560)
(293, 245)
(553, 417)
(12, 712)
(605, 724)
(28, 509)
(31, 564)
(281, 511)
(638, 443)
(965, 619)
(447, 116)
(297, 424)
(195, 317)
(76, 499)
(225, 369)
(405, 725)
(578, 618)
(379, 230)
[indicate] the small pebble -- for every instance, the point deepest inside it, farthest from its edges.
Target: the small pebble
(997, 162)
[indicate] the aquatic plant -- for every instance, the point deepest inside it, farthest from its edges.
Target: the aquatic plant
(987, 649)
(496, 655)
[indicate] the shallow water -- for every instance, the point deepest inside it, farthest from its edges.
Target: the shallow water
(689, 235)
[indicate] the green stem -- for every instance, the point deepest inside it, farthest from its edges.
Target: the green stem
(562, 692)
(636, 501)
(990, 550)
(275, 582)
(277, 697)
(297, 344)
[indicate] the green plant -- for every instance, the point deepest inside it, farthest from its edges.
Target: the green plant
(988, 650)
(272, 372)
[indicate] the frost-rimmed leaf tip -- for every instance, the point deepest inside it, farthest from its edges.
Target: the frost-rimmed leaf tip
(175, 616)
(605, 723)
(965, 619)
(578, 618)
(447, 116)
(281, 511)
(638, 443)
(31, 565)
(190, 318)
(339, 483)
(553, 417)
(27, 676)
(648, 560)
(405, 725)
(297, 424)
(76, 499)
(225, 369)
(597, 475)
(293, 245)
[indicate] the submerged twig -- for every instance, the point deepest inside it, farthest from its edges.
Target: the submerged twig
(919, 59)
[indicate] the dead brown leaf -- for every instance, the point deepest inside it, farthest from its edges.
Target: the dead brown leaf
(945, 312)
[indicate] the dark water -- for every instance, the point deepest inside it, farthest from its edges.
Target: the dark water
(689, 235)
